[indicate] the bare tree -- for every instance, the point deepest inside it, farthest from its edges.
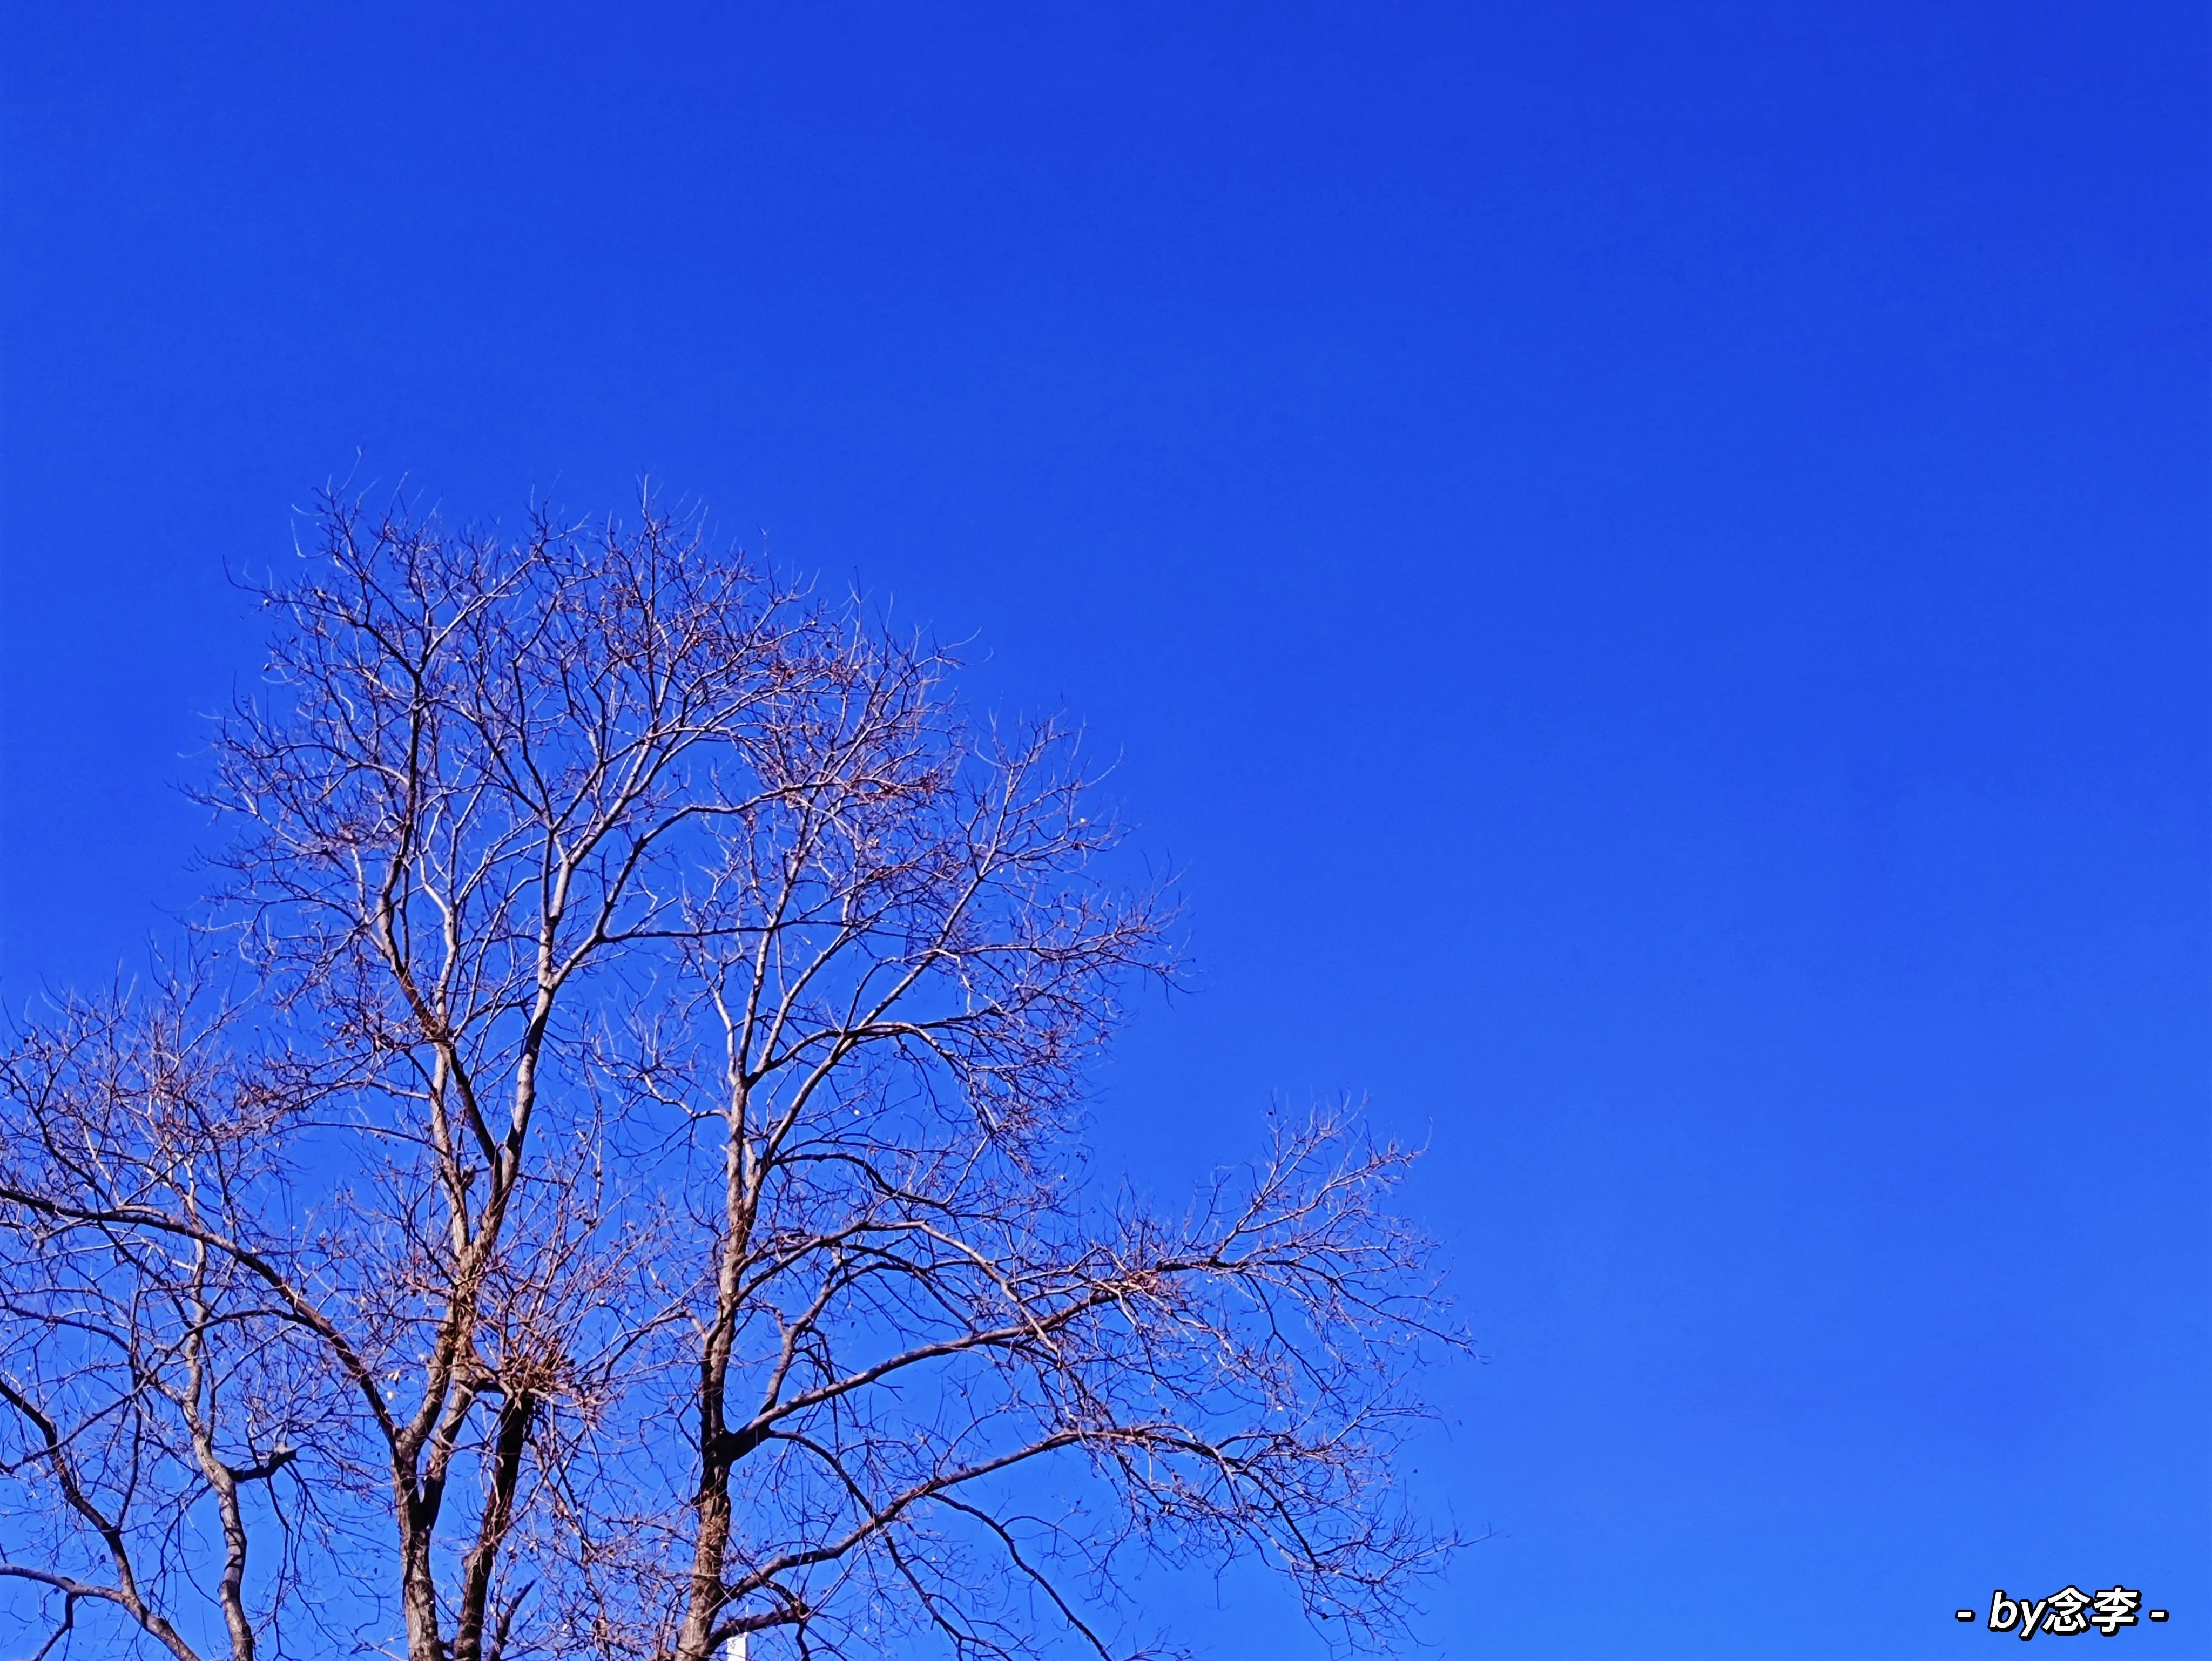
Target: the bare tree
(635, 1197)
(154, 1389)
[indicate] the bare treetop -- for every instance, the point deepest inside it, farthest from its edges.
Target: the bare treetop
(650, 1148)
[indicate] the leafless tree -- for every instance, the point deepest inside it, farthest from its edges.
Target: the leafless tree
(630, 1195)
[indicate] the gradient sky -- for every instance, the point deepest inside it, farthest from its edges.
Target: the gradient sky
(1648, 565)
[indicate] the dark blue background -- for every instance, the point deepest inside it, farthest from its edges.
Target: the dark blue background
(1648, 565)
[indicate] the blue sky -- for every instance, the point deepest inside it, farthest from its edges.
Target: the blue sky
(1647, 563)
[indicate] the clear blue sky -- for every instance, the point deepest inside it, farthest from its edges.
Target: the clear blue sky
(1650, 565)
